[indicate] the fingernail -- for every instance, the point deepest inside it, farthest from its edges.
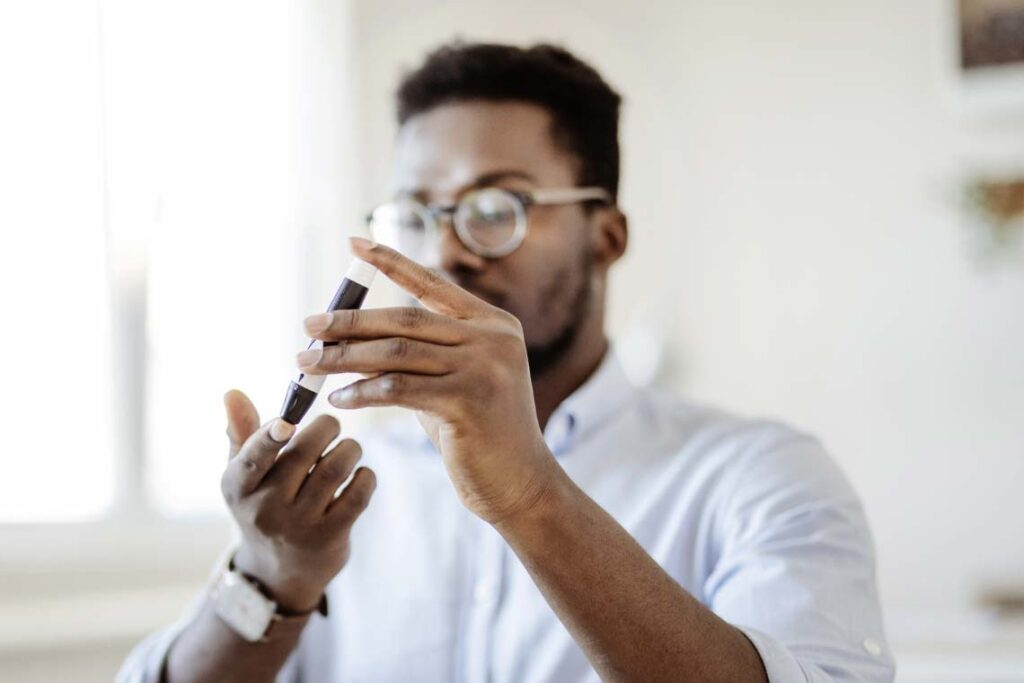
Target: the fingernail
(319, 322)
(281, 431)
(308, 357)
(362, 242)
(339, 396)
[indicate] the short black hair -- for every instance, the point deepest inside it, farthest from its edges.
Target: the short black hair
(583, 107)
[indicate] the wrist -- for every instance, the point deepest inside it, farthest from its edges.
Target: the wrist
(292, 591)
(548, 493)
(245, 605)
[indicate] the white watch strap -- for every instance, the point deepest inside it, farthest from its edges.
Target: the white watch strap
(243, 607)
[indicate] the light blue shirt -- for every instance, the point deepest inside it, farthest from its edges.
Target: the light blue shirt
(750, 517)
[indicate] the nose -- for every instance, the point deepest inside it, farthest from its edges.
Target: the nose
(453, 255)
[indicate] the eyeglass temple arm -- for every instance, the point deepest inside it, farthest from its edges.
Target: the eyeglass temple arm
(570, 195)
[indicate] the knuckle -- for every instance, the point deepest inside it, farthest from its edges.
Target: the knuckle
(335, 352)
(228, 489)
(339, 321)
(511, 343)
(266, 444)
(397, 348)
(350, 447)
(357, 497)
(510, 325)
(507, 318)
(433, 280)
(499, 318)
(330, 467)
(364, 487)
(345, 320)
(430, 283)
(386, 253)
(491, 379)
(360, 498)
(390, 255)
(410, 317)
(391, 385)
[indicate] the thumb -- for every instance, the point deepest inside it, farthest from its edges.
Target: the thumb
(243, 419)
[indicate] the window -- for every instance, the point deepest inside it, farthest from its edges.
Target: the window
(58, 457)
(152, 247)
(222, 282)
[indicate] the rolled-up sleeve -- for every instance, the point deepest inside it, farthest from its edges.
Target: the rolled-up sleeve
(145, 662)
(796, 568)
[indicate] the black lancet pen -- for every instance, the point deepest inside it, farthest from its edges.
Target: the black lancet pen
(351, 293)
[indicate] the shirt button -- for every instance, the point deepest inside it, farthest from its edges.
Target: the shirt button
(872, 647)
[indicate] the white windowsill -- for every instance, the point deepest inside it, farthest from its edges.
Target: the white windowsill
(79, 585)
(129, 543)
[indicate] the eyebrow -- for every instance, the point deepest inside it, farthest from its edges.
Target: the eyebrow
(485, 180)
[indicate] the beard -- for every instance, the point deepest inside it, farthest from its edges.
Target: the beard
(544, 357)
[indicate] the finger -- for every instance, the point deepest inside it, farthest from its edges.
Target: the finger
(419, 392)
(243, 419)
(394, 354)
(428, 287)
(255, 458)
(374, 323)
(353, 499)
(301, 454)
(330, 472)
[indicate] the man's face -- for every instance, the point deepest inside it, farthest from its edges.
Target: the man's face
(452, 149)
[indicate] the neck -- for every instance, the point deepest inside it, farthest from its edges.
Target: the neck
(580, 361)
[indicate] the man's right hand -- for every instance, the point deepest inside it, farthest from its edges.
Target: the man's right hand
(295, 531)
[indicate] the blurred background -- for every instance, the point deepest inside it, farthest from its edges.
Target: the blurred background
(826, 206)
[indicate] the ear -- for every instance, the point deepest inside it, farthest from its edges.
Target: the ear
(609, 236)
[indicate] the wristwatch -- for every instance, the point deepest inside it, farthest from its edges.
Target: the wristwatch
(245, 604)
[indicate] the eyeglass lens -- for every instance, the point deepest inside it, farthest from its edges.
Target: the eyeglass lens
(488, 222)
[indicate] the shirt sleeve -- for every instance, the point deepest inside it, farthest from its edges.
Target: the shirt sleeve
(795, 570)
(145, 663)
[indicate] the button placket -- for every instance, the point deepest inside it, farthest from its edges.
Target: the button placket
(483, 588)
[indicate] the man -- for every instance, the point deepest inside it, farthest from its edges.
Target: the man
(544, 521)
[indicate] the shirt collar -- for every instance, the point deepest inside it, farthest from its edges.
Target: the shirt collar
(598, 399)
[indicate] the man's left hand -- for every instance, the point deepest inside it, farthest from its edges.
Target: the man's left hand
(461, 364)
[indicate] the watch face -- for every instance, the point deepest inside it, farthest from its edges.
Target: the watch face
(242, 607)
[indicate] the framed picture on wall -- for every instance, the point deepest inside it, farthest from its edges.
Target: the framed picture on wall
(991, 55)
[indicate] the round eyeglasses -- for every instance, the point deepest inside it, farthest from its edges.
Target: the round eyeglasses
(490, 222)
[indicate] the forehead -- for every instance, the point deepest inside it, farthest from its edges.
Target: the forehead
(448, 147)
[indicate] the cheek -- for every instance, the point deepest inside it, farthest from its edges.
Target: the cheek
(549, 291)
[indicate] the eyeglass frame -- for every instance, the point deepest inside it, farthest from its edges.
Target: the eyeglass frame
(524, 199)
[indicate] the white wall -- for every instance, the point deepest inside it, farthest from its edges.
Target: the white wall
(790, 172)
